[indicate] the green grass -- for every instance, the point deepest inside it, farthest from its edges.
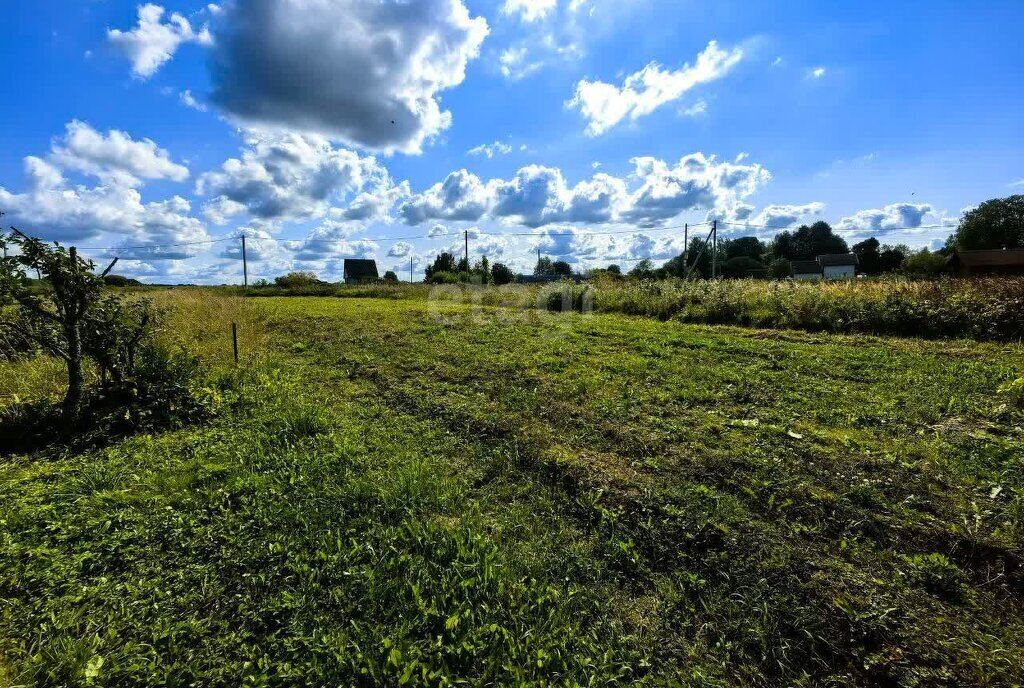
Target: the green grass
(987, 309)
(402, 492)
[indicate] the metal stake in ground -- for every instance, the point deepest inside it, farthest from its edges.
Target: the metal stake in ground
(234, 340)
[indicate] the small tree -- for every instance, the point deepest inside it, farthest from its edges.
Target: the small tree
(55, 321)
(561, 268)
(780, 269)
(543, 266)
(502, 274)
(924, 263)
(390, 277)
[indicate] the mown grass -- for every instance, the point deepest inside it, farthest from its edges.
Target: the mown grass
(400, 492)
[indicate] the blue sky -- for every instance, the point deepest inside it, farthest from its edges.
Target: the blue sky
(589, 128)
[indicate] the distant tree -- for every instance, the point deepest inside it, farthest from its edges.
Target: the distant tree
(924, 263)
(698, 259)
(502, 274)
(748, 246)
(818, 239)
(807, 243)
(780, 269)
(643, 270)
(293, 280)
(614, 269)
(743, 266)
(390, 276)
(543, 266)
(998, 223)
(891, 257)
(444, 262)
(483, 268)
(868, 256)
(120, 281)
(561, 269)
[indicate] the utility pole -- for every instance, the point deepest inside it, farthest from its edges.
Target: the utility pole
(686, 243)
(410, 270)
(714, 249)
(245, 264)
(465, 233)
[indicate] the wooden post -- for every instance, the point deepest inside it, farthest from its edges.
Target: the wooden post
(245, 268)
(466, 233)
(410, 270)
(234, 340)
(686, 244)
(714, 249)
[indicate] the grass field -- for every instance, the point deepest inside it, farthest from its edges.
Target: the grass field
(411, 492)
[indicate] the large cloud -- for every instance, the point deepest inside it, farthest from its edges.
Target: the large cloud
(365, 72)
(461, 196)
(153, 41)
(604, 105)
(697, 181)
(891, 217)
(288, 176)
(537, 196)
(54, 210)
(86, 150)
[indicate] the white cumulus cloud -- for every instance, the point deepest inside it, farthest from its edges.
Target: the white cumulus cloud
(154, 41)
(86, 150)
(287, 176)
(529, 10)
(605, 105)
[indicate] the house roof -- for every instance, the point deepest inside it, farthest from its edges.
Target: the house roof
(806, 267)
(834, 259)
(991, 258)
(360, 268)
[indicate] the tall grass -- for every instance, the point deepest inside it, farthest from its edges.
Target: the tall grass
(986, 309)
(197, 319)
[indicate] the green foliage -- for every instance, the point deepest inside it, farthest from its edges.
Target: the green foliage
(296, 280)
(924, 263)
(390, 277)
(444, 262)
(808, 242)
(937, 574)
(743, 266)
(780, 269)
(995, 224)
(120, 281)
(560, 268)
(502, 274)
(544, 266)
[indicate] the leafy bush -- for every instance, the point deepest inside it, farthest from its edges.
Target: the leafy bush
(161, 395)
(938, 575)
(296, 279)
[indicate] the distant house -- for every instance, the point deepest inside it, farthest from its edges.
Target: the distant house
(359, 270)
(838, 265)
(992, 262)
(829, 266)
(806, 270)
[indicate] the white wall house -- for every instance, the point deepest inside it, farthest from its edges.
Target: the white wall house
(839, 265)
